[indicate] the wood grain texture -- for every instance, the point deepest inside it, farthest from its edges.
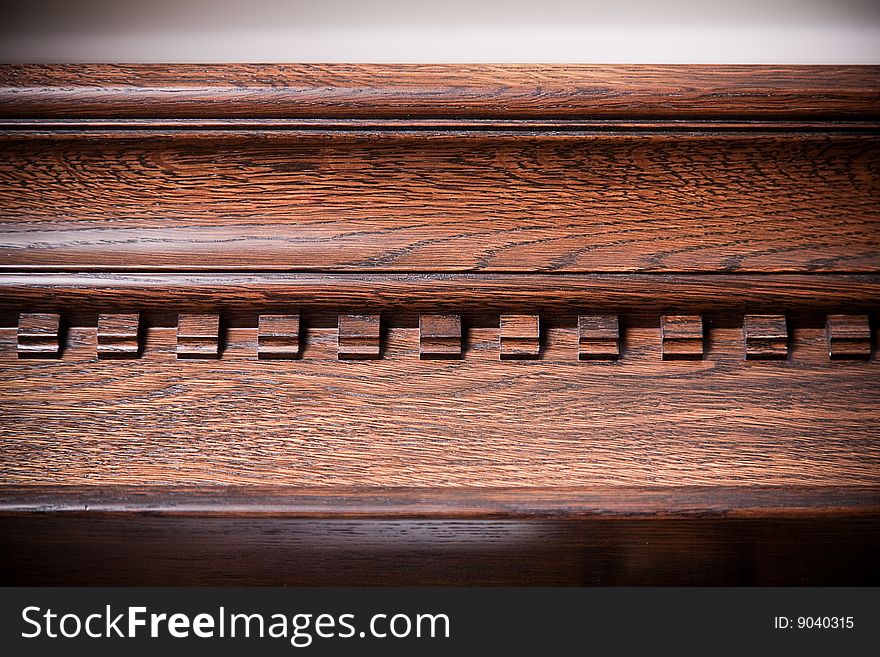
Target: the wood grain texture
(519, 336)
(849, 336)
(682, 337)
(358, 337)
(666, 502)
(439, 336)
(118, 335)
(478, 421)
(280, 219)
(567, 203)
(765, 337)
(251, 551)
(255, 535)
(598, 337)
(198, 335)
(421, 90)
(278, 336)
(443, 292)
(38, 335)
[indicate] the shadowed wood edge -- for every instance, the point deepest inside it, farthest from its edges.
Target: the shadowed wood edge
(449, 503)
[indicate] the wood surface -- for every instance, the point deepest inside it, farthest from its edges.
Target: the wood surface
(278, 336)
(438, 91)
(38, 335)
(254, 535)
(362, 324)
(849, 336)
(632, 202)
(765, 337)
(439, 336)
(118, 335)
(598, 337)
(557, 293)
(478, 421)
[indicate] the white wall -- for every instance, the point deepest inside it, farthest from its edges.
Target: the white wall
(610, 31)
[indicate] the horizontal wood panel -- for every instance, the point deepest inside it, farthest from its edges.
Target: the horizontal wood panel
(590, 203)
(507, 90)
(55, 549)
(442, 503)
(449, 292)
(402, 421)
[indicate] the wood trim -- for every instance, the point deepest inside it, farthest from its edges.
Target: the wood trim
(388, 426)
(449, 503)
(447, 291)
(440, 91)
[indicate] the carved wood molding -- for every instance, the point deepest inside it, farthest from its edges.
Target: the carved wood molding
(443, 278)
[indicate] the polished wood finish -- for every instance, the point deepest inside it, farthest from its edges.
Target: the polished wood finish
(439, 336)
(849, 336)
(524, 91)
(596, 536)
(598, 337)
(682, 337)
(38, 335)
(198, 336)
(445, 292)
(477, 421)
(632, 201)
(278, 336)
(444, 324)
(118, 335)
(765, 337)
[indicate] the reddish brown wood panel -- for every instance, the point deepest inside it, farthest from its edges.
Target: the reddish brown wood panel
(628, 202)
(350, 255)
(443, 292)
(478, 421)
(437, 91)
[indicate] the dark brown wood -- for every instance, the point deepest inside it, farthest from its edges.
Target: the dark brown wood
(278, 336)
(118, 335)
(477, 421)
(598, 337)
(435, 91)
(632, 202)
(849, 336)
(358, 336)
(445, 292)
(439, 336)
(198, 336)
(660, 502)
(520, 336)
(679, 268)
(765, 337)
(38, 335)
(701, 536)
(682, 337)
